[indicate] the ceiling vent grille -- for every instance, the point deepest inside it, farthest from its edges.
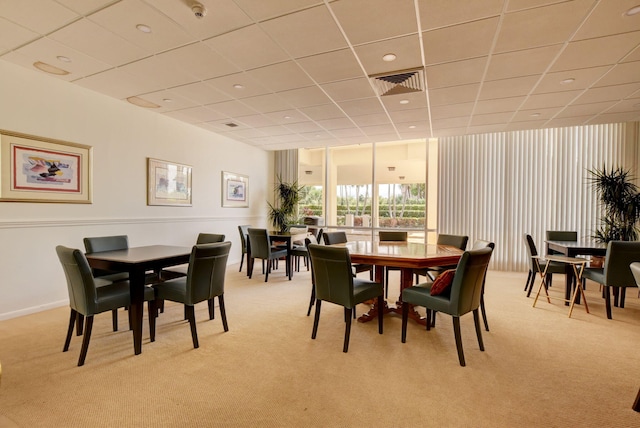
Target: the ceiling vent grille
(400, 82)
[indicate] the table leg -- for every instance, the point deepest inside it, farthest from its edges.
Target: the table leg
(136, 279)
(373, 312)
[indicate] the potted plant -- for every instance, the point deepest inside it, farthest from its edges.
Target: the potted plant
(284, 211)
(620, 201)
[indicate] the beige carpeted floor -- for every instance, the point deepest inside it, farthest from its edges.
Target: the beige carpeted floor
(540, 368)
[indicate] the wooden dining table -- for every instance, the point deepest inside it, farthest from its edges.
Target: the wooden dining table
(284, 239)
(406, 256)
(137, 261)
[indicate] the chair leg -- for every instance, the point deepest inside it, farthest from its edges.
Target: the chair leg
(211, 305)
(79, 323)
(476, 320)
(72, 321)
(192, 322)
(316, 319)
(428, 318)
(607, 300)
(371, 275)
(85, 340)
(223, 312)
(380, 311)
(250, 264)
(114, 319)
(616, 296)
(405, 316)
(526, 285)
(347, 329)
(533, 280)
(152, 308)
(484, 313)
(456, 332)
(386, 282)
(266, 275)
(241, 262)
(623, 292)
(313, 298)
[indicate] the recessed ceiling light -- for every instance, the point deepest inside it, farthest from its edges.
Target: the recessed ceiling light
(167, 100)
(63, 58)
(48, 68)
(404, 101)
(535, 115)
(140, 102)
(238, 86)
(143, 28)
(389, 57)
(633, 11)
(412, 127)
(567, 81)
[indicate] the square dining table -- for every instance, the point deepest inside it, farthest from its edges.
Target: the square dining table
(405, 255)
(137, 261)
(286, 239)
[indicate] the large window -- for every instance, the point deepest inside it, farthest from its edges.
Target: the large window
(311, 174)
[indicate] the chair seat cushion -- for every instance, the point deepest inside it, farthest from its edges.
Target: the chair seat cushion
(365, 290)
(594, 274)
(442, 284)
(173, 289)
(420, 295)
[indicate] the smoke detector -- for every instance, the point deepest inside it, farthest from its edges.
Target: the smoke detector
(198, 10)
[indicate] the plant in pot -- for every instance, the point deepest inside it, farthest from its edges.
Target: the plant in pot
(620, 202)
(284, 211)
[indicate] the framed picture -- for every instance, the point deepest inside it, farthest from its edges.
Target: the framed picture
(235, 190)
(38, 169)
(168, 183)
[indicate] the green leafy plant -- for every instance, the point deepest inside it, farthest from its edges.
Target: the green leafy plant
(620, 201)
(285, 212)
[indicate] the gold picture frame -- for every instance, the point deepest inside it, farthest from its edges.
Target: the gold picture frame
(235, 190)
(40, 169)
(168, 183)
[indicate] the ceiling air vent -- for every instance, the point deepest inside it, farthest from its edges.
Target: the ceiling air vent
(231, 124)
(400, 82)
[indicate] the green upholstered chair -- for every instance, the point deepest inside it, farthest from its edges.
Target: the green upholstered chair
(616, 271)
(261, 249)
(340, 237)
(478, 244)
(89, 296)
(107, 243)
(244, 231)
(335, 283)
(204, 281)
(538, 266)
(464, 296)
(458, 241)
(389, 236)
(181, 270)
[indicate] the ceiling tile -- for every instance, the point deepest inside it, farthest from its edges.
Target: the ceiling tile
(406, 49)
(331, 66)
(298, 33)
(42, 18)
(451, 122)
(308, 126)
(267, 103)
(85, 7)
(256, 120)
(261, 9)
(415, 115)
(122, 18)
(585, 109)
(608, 18)
(349, 89)
(286, 117)
(454, 95)
(12, 35)
(440, 13)
(197, 60)
(364, 21)
(158, 72)
(458, 42)
(535, 115)
(625, 106)
(558, 99)
(281, 77)
(248, 48)
(361, 106)
(200, 114)
(201, 93)
(506, 88)
(305, 97)
(247, 85)
(456, 73)
(334, 124)
(583, 78)
(456, 110)
(607, 93)
(91, 39)
(627, 72)
(498, 105)
(169, 100)
(404, 102)
(372, 119)
(541, 26)
(491, 118)
(327, 111)
(521, 63)
(117, 83)
(596, 52)
(232, 108)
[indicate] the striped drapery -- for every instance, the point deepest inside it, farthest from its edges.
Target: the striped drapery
(285, 167)
(500, 186)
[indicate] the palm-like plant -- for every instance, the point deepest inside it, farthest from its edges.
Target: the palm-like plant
(620, 203)
(284, 213)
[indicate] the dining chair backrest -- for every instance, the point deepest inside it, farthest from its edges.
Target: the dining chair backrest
(392, 235)
(80, 282)
(319, 236)
(259, 242)
(457, 241)
(620, 254)
(331, 270)
(532, 251)
(466, 287)
(206, 274)
(106, 243)
(480, 243)
(331, 238)
(209, 238)
(244, 231)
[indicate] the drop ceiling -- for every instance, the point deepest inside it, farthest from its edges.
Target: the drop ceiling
(282, 74)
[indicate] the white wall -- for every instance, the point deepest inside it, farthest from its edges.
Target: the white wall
(122, 137)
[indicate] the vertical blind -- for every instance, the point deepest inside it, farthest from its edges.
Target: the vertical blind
(500, 186)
